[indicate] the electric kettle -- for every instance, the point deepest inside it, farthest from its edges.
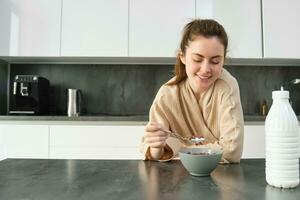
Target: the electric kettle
(74, 102)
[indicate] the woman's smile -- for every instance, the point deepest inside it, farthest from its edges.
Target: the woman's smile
(203, 77)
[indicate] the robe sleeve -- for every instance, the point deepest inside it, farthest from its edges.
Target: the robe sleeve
(158, 114)
(231, 127)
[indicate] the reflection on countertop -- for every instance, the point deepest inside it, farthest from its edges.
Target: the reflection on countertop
(134, 179)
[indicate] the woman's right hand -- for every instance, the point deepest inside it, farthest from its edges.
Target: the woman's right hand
(156, 138)
(154, 135)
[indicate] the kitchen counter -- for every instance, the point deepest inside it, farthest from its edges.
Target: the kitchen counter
(102, 119)
(133, 179)
(79, 118)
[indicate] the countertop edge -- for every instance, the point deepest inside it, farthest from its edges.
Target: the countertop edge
(49, 122)
(94, 120)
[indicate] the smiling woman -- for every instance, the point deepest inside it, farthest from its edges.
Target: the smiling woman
(202, 99)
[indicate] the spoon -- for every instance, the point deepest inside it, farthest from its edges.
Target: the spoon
(194, 140)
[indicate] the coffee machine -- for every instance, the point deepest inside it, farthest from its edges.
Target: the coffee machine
(29, 94)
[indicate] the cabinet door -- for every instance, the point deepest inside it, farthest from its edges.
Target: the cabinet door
(254, 141)
(2, 150)
(94, 28)
(95, 142)
(281, 28)
(30, 28)
(155, 26)
(242, 22)
(25, 141)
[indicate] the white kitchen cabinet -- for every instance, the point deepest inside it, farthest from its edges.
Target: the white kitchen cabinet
(94, 28)
(254, 141)
(24, 141)
(69, 141)
(281, 28)
(2, 151)
(30, 28)
(155, 26)
(242, 22)
(95, 142)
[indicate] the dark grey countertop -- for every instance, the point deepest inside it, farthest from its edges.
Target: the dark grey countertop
(28, 179)
(80, 118)
(98, 118)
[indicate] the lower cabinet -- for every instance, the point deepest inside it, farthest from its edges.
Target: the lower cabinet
(95, 142)
(2, 155)
(70, 141)
(121, 142)
(254, 141)
(24, 141)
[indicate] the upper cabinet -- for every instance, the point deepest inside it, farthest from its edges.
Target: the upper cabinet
(242, 22)
(30, 28)
(281, 28)
(155, 26)
(142, 28)
(94, 28)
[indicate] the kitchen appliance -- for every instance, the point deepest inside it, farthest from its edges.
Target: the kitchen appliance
(29, 95)
(74, 102)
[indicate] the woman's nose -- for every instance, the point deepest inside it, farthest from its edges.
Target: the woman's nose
(205, 67)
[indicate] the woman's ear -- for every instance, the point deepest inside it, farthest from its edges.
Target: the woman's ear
(182, 57)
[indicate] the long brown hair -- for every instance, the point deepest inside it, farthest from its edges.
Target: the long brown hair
(204, 27)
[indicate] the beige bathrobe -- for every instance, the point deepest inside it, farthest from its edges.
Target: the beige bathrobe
(217, 116)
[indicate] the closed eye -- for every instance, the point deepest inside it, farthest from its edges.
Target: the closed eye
(197, 60)
(215, 62)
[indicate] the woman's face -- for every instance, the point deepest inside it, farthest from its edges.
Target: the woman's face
(203, 59)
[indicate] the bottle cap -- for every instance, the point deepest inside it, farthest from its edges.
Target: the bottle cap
(282, 94)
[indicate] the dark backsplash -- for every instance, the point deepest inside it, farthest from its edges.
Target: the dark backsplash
(107, 90)
(130, 89)
(257, 83)
(3, 87)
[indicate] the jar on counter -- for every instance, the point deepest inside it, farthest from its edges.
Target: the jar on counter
(264, 108)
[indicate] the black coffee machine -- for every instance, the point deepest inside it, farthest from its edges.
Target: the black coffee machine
(29, 94)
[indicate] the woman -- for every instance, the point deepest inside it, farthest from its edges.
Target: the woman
(202, 99)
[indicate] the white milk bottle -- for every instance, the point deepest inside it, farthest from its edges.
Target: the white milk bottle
(282, 142)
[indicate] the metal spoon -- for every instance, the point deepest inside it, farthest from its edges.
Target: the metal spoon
(194, 140)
